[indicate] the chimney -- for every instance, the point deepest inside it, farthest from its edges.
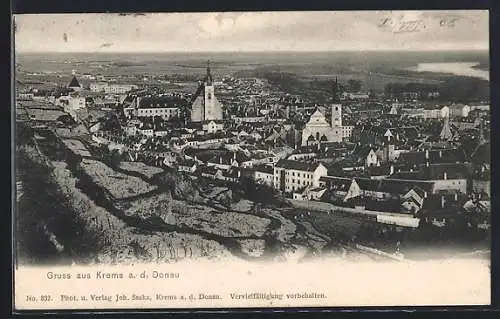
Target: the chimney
(445, 176)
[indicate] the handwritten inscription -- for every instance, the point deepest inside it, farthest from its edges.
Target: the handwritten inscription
(398, 26)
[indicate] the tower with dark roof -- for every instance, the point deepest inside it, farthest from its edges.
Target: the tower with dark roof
(74, 84)
(205, 106)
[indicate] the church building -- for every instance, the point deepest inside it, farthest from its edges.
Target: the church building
(318, 130)
(205, 106)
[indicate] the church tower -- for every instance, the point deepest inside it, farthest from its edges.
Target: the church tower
(336, 107)
(209, 96)
(205, 106)
(389, 149)
(336, 115)
(74, 84)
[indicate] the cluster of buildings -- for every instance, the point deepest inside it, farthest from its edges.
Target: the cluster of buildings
(390, 162)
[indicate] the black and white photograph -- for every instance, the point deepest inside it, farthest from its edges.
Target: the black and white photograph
(256, 138)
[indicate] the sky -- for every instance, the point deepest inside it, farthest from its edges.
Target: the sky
(253, 31)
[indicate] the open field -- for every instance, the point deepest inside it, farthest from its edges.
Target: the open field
(119, 185)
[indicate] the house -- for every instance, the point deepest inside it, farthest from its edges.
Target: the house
(436, 113)
(309, 193)
(111, 88)
(188, 166)
(279, 153)
(166, 107)
(371, 159)
(413, 159)
(459, 110)
(290, 176)
(384, 189)
(367, 154)
(354, 96)
(213, 126)
(264, 174)
(413, 201)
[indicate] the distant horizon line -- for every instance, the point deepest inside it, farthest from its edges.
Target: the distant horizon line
(263, 51)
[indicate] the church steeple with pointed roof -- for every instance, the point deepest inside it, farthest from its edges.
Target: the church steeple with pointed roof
(208, 78)
(336, 91)
(205, 105)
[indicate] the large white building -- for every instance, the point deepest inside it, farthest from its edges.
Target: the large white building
(291, 176)
(318, 130)
(111, 88)
(151, 107)
(459, 110)
(166, 113)
(437, 113)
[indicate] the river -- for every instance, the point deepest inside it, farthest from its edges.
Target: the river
(456, 68)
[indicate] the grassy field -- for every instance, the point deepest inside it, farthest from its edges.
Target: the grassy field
(119, 185)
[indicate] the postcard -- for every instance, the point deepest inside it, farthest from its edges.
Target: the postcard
(251, 159)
